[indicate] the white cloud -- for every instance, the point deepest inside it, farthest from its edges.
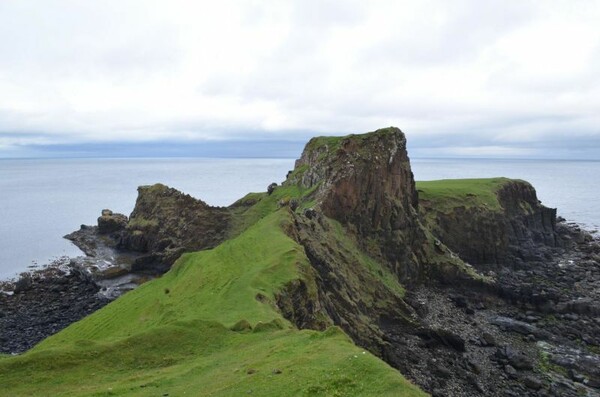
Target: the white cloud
(507, 73)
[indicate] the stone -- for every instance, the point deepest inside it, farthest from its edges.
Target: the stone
(310, 213)
(110, 222)
(510, 370)
(509, 324)
(488, 339)
(515, 358)
(23, 284)
(532, 382)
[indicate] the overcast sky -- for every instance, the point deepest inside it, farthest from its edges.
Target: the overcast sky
(460, 78)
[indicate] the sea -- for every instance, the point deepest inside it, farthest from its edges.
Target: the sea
(41, 200)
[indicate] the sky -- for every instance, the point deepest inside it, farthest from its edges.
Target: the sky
(510, 78)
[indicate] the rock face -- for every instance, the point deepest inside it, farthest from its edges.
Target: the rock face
(521, 229)
(365, 182)
(165, 223)
(364, 196)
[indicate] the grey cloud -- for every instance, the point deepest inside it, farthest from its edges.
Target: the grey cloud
(134, 71)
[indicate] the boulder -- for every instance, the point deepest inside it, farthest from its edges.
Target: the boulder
(110, 222)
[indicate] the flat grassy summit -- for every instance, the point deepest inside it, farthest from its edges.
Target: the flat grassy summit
(447, 194)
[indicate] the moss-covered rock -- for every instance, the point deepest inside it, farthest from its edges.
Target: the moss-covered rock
(165, 223)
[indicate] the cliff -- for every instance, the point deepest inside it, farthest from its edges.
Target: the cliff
(365, 182)
(495, 221)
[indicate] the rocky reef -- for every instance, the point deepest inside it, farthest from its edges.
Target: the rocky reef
(467, 287)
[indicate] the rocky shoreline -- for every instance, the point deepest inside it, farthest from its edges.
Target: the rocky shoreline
(45, 301)
(538, 335)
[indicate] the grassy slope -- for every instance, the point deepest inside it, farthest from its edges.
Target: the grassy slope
(446, 194)
(172, 335)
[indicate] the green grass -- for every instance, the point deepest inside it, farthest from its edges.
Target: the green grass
(173, 335)
(334, 142)
(140, 223)
(446, 194)
(255, 206)
(205, 359)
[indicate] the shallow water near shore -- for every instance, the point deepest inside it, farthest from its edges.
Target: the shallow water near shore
(42, 200)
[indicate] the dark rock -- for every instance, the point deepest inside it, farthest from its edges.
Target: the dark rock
(532, 382)
(23, 284)
(109, 222)
(165, 223)
(593, 383)
(509, 324)
(310, 213)
(271, 188)
(438, 393)
(459, 301)
(515, 358)
(523, 229)
(473, 366)
(442, 372)
(50, 302)
(510, 371)
(585, 306)
(488, 339)
(444, 337)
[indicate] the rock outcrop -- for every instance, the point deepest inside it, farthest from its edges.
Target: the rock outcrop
(110, 222)
(365, 182)
(517, 230)
(364, 239)
(165, 223)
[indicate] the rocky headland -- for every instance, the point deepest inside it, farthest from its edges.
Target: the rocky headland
(467, 287)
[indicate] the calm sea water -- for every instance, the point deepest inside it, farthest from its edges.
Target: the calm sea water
(42, 200)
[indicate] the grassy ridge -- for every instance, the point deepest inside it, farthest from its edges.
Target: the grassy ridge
(173, 335)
